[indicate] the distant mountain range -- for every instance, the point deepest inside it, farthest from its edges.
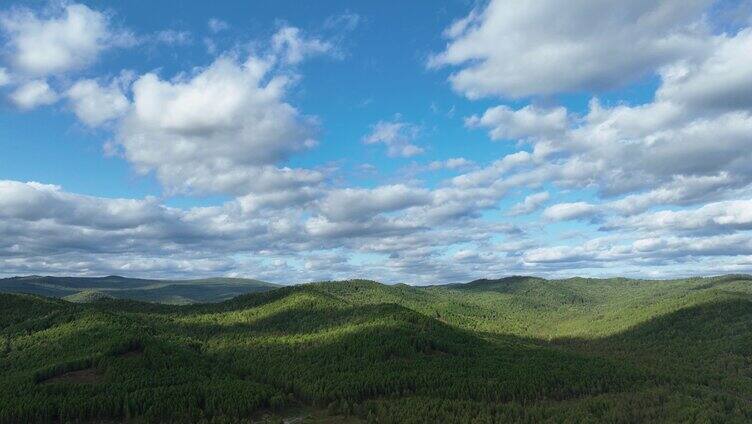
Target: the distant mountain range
(84, 289)
(212, 290)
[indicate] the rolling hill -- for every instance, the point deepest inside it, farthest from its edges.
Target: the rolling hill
(82, 289)
(518, 349)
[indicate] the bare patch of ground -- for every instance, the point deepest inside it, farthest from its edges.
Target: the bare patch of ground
(131, 354)
(85, 376)
(303, 416)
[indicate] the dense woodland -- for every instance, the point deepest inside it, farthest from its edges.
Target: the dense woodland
(513, 350)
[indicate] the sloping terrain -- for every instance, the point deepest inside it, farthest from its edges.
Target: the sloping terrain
(521, 350)
(83, 289)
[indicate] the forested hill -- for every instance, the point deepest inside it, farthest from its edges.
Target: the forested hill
(83, 289)
(513, 350)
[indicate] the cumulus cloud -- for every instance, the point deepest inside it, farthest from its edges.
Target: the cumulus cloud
(451, 163)
(678, 149)
(221, 129)
(32, 94)
(95, 104)
(173, 37)
(505, 123)
(682, 190)
(229, 128)
(5, 77)
(322, 228)
(652, 251)
(569, 211)
(397, 136)
(217, 25)
(37, 202)
(39, 219)
(141, 235)
(526, 48)
(722, 81)
(347, 21)
(629, 154)
(69, 38)
(359, 204)
(715, 217)
(531, 203)
(44, 228)
(293, 47)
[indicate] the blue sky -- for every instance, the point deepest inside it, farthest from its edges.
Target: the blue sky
(421, 143)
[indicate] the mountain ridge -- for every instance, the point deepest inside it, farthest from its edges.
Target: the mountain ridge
(198, 290)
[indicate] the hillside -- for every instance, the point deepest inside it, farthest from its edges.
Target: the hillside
(81, 289)
(513, 350)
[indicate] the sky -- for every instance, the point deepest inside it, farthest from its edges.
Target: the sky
(418, 142)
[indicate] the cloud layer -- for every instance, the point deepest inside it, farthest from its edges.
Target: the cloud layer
(653, 188)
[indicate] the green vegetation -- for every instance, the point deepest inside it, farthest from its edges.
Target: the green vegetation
(177, 292)
(513, 350)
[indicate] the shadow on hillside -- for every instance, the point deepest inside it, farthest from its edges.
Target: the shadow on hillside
(716, 318)
(319, 348)
(366, 351)
(301, 317)
(436, 360)
(708, 344)
(167, 292)
(316, 344)
(504, 285)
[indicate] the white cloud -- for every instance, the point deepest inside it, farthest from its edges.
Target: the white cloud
(569, 211)
(538, 47)
(682, 190)
(491, 174)
(276, 199)
(229, 128)
(507, 123)
(397, 136)
(173, 37)
(217, 25)
(292, 47)
(360, 204)
(451, 163)
(712, 217)
(651, 251)
(46, 229)
(530, 204)
(221, 129)
(33, 94)
(680, 149)
(723, 81)
(37, 202)
(5, 77)
(94, 104)
(321, 227)
(690, 144)
(557, 254)
(629, 153)
(347, 21)
(69, 39)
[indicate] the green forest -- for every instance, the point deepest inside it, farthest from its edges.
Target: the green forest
(518, 349)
